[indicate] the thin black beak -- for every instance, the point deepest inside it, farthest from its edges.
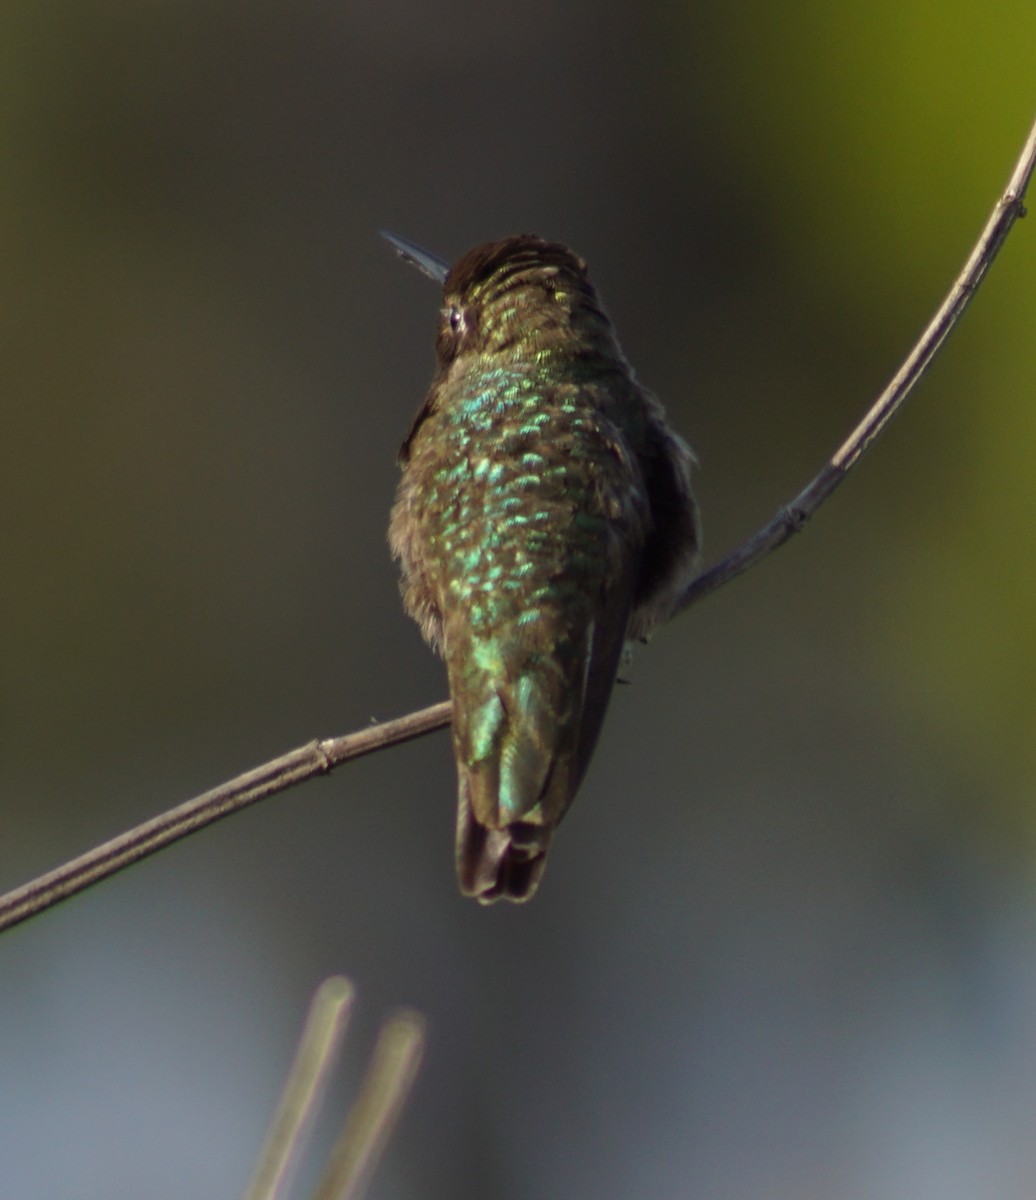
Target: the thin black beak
(429, 264)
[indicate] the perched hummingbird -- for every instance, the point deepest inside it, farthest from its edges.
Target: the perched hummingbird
(544, 517)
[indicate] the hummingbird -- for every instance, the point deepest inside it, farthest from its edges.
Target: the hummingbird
(544, 520)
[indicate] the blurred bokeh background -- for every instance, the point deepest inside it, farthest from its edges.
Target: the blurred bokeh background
(786, 943)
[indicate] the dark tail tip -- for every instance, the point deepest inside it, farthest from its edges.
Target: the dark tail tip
(499, 864)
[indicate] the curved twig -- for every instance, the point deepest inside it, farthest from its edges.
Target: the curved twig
(315, 758)
(319, 757)
(791, 518)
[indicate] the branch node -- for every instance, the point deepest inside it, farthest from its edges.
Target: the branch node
(326, 763)
(793, 517)
(1012, 200)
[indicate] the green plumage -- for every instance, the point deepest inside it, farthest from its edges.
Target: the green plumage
(543, 517)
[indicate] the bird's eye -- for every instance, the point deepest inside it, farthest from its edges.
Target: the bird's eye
(456, 319)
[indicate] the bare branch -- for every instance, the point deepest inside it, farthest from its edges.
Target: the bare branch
(791, 518)
(371, 1120)
(316, 758)
(304, 1089)
(320, 757)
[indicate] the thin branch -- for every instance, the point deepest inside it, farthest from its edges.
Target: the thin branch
(371, 1120)
(373, 1116)
(303, 1090)
(791, 518)
(316, 758)
(320, 757)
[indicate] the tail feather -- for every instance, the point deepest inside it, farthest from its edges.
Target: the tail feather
(521, 755)
(526, 716)
(513, 786)
(498, 863)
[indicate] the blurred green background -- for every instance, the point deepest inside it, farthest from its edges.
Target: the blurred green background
(786, 943)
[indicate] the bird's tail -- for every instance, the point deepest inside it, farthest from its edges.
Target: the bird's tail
(498, 863)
